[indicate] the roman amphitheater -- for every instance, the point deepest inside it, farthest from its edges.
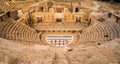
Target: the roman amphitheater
(59, 32)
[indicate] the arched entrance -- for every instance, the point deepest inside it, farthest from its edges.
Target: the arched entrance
(76, 9)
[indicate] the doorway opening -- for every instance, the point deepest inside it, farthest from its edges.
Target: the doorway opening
(39, 19)
(76, 9)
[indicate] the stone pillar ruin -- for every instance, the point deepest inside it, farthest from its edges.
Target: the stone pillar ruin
(66, 10)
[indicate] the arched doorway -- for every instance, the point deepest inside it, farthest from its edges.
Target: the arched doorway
(76, 9)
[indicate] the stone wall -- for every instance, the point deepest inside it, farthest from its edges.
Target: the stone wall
(115, 17)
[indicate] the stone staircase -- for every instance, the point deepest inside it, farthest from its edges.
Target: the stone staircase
(60, 56)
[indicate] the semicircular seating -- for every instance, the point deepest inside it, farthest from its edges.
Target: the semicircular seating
(12, 30)
(100, 32)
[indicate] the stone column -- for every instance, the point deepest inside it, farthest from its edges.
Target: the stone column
(71, 10)
(46, 7)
